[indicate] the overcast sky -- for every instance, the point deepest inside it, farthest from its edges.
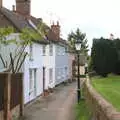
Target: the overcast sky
(94, 17)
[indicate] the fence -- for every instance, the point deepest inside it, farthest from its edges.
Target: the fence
(11, 95)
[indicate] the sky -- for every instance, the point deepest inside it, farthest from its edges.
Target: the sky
(96, 18)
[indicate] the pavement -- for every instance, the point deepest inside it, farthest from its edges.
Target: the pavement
(59, 105)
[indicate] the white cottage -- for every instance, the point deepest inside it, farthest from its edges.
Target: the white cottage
(21, 18)
(32, 67)
(34, 72)
(47, 63)
(55, 58)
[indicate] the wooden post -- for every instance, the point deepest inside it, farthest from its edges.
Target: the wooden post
(21, 96)
(7, 90)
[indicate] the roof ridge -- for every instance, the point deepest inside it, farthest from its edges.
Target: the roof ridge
(17, 20)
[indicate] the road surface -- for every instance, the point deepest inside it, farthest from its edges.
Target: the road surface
(57, 106)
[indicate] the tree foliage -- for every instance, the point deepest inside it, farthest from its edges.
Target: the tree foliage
(78, 35)
(117, 45)
(4, 32)
(17, 57)
(104, 56)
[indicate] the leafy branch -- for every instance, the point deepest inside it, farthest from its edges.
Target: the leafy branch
(26, 38)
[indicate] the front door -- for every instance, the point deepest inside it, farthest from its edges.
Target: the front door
(32, 84)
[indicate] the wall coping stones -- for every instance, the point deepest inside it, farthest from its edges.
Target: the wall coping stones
(102, 109)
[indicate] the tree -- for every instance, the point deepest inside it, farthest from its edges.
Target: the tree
(117, 46)
(103, 56)
(14, 61)
(78, 35)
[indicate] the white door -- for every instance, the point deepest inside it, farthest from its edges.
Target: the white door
(32, 84)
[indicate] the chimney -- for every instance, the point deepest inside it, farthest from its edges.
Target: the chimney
(23, 7)
(56, 30)
(111, 36)
(0, 3)
(13, 8)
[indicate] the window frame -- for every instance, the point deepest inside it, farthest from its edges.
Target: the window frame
(44, 50)
(51, 50)
(30, 79)
(50, 75)
(31, 52)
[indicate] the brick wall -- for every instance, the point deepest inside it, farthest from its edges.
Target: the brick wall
(99, 107)
(23, 7)
(15, 112)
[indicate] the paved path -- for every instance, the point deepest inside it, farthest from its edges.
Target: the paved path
(57, 106)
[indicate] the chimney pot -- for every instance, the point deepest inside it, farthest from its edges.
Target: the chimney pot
(53, 23)
(13, 8)
(56, 30)
(58, 23)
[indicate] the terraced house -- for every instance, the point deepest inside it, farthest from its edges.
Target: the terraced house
(47, 64)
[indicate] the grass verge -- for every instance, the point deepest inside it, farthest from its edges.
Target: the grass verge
(82, 112)
(109, 88)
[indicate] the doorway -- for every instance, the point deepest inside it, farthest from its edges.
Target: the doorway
(43, 79)
(32, 83)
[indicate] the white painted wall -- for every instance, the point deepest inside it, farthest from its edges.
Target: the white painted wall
(36, 63)
(6, 49)
(58, 62)
(49, 62)
(61, 62)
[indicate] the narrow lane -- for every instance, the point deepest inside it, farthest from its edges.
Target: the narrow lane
(57, 106)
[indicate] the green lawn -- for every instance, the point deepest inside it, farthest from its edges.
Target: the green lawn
(82, 112)
(109, 88)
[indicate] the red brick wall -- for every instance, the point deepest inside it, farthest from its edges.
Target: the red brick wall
(100, 108)
(23, 7)
(56, 30)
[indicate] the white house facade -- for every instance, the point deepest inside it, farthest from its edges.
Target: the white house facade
(47, 62)
(56, 64)
(32, 67)
(61, 64)
(33, 72)
(49, 65)
(46, 66)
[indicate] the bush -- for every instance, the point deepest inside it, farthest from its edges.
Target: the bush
(103, 56)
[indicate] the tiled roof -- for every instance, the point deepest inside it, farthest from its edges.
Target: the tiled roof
(21, 22)
(17, 20)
